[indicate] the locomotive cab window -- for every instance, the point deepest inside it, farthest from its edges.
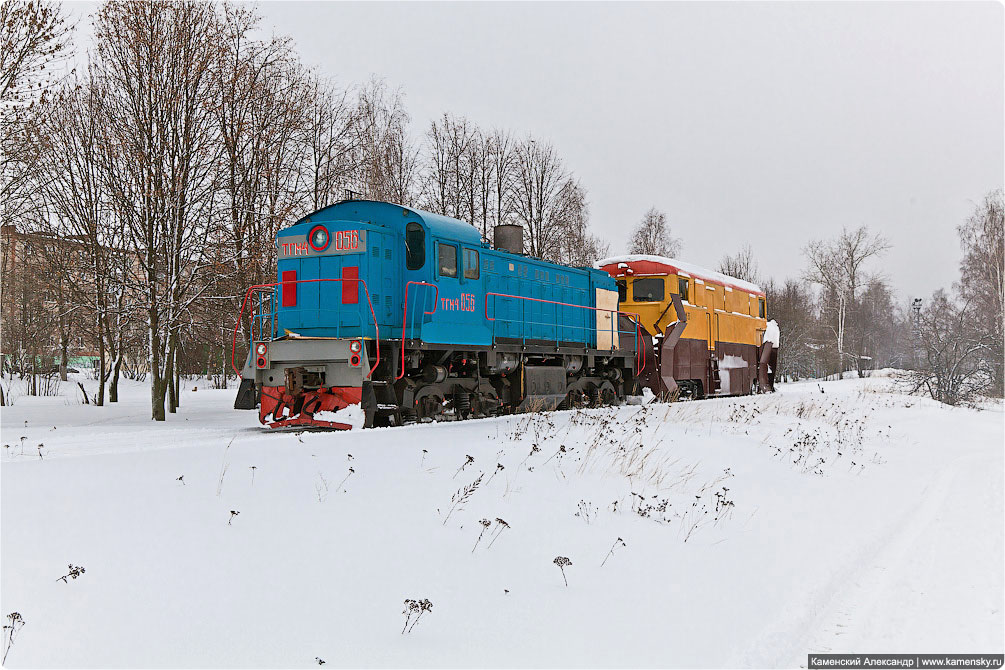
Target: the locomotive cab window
(470, 264)
(415, 246)
(649, 289)
(447, 256)
(622, 291)
(760, 307)
(682, 289)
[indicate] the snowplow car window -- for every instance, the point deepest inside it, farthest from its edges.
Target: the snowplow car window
(649, 289)
(682, 289)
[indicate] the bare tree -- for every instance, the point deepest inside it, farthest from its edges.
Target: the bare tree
(982, 277)
(74, 191)
(333, 154)
(154, 62)
(388, 160)
(742, 266)
(449, 187)
(503, 162)
(952, 368)
(652, 236)
(35, 37)
(482, 154)
(274, 126)
(30, 323)
(839, 266)
(792, 306)
(34, 33)
(577, 246)
(540, 176)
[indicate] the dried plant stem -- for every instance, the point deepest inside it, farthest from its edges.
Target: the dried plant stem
(484, 528)
(223, 471)
(462, 496)
(496, 536)
(415, 622)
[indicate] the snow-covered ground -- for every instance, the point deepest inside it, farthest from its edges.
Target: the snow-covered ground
(826, 517)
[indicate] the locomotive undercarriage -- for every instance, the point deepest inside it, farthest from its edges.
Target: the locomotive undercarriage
(441, 383)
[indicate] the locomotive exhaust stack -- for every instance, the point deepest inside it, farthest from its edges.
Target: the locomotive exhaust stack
(508, 237)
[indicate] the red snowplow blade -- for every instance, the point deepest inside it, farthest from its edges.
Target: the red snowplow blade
(280, 409)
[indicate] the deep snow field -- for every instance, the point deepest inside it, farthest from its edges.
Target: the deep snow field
(830, 517)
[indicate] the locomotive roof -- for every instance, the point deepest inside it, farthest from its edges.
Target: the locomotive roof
(641, 264)
(371, 210)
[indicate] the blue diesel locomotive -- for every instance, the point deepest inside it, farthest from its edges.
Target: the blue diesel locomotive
(412, 317)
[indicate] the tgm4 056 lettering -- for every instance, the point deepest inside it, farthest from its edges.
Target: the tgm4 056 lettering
(339, 242)
(466, 303)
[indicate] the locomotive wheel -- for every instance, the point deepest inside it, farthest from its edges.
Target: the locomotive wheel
(484, 404)
(428, 405)
(608, 394)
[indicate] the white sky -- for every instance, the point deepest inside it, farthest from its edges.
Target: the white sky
(773, 123)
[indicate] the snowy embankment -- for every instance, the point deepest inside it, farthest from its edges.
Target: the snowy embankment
(826, 517)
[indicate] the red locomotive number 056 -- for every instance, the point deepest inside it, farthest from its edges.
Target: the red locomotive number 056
(347, 240)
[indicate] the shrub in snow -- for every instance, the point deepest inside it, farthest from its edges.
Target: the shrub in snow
(320, 660)
(415, 608)
(562, 562)
(587, 511)
(74, 572)
(181, 479)
(10, 630)
(233, 513)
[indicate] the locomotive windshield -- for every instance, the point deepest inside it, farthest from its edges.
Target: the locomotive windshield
(649, 289)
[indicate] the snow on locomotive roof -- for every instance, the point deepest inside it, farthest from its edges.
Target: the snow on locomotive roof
(678, 266)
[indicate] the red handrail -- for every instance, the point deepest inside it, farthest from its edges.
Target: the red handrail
(404, 318)
(258, 287)
(638, 333)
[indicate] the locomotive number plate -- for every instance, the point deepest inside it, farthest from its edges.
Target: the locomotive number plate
(337, 242)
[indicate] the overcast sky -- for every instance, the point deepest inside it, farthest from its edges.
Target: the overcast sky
(773, 123)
